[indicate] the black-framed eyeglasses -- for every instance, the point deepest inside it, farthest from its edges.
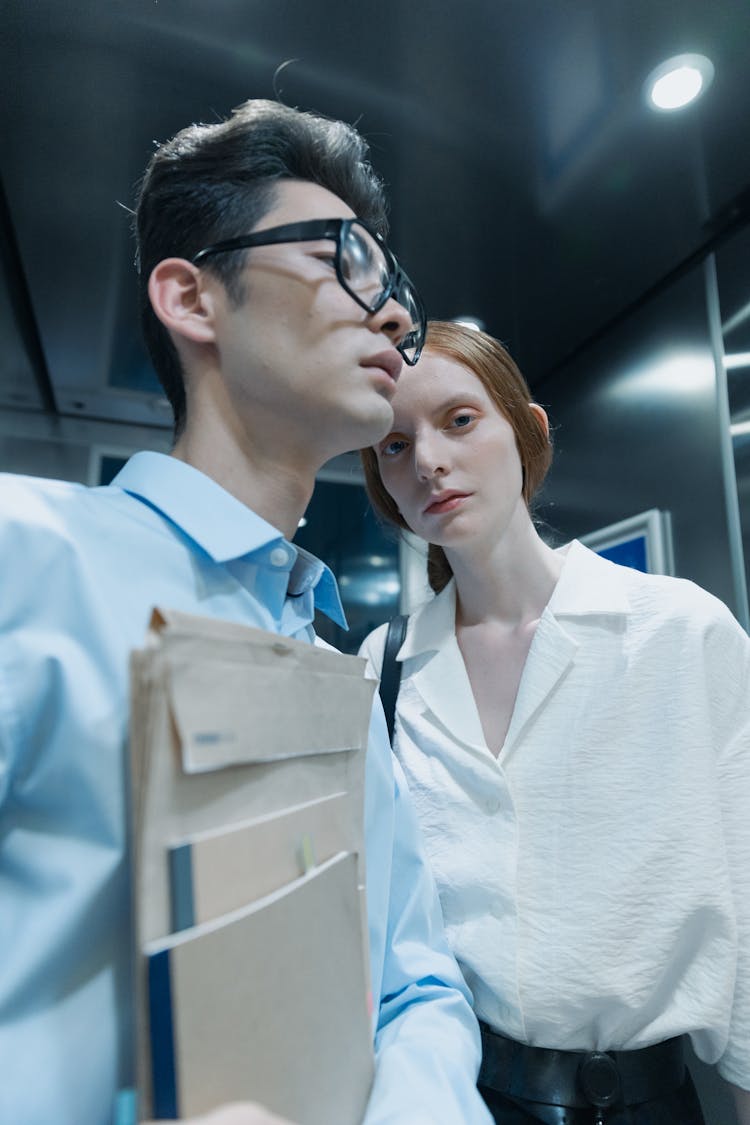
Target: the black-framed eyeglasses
(365, 268)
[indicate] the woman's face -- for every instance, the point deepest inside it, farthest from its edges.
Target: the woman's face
(450, 462)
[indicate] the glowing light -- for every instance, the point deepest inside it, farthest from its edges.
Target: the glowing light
(678, 81)
(738, 359)
(677, 89)
(674, 374)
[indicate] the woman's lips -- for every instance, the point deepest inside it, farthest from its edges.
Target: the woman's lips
(445, 503)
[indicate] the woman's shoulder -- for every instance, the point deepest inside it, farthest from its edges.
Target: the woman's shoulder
(373, 647)
(667, 599)
(429, 625)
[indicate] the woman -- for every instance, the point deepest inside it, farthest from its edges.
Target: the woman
(576, 739)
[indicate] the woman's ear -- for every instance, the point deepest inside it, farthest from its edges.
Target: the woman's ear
(541, 416)
(181, 300)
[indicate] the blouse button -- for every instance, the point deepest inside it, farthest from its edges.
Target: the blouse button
(279, 557)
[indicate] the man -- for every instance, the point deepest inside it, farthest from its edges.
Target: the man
(278, 323)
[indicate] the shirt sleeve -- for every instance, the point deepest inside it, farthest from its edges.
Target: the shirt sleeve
(427, 1045)
(729, 679)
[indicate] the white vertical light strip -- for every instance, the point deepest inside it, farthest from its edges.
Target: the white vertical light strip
(734, 526)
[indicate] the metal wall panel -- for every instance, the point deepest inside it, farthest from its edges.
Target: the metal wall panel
(637, 426)
(733, 274)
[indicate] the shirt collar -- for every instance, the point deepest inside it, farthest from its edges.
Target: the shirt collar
(588, 584)
(308, 571)
(221, 525)
(432, 625)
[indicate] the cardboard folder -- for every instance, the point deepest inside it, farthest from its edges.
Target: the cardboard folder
(240, 741)
(287, 843)
(290, 1029)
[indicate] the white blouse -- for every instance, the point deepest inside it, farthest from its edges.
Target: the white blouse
(595, 877)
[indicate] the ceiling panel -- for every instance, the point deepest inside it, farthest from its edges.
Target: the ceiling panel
(530, 185)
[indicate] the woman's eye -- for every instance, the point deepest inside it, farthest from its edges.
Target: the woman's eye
(458, 421)
(391, 448)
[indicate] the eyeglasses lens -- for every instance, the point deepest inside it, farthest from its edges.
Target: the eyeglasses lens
(405, 296)
(367, 272)
(364, 265)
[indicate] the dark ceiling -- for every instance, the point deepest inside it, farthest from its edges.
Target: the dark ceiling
(530, 185)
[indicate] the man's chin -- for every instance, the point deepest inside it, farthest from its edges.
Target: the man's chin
(362, 430)
(378, 423)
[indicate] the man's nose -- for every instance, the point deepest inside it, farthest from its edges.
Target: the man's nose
(393, 320)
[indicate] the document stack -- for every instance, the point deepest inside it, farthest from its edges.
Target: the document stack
(247, 754)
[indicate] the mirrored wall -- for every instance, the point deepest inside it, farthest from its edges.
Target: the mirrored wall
(733, 275)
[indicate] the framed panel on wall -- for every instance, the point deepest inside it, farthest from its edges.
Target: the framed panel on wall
(643, 542)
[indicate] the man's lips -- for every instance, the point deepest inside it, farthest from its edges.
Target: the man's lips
(444, 502)
(389, 361)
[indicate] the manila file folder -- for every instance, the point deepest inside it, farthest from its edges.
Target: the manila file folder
(247, 779)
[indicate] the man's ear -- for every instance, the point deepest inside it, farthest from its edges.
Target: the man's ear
(541, 416)
(181, 300)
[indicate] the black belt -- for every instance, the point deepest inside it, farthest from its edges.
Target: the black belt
(580, 1078)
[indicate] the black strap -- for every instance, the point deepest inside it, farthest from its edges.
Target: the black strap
(390, 673)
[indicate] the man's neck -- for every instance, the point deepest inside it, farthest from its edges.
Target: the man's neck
(273, 487)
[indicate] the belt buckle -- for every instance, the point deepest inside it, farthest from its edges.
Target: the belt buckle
(599, 1080)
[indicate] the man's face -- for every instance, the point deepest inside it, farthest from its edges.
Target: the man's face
(304, 366)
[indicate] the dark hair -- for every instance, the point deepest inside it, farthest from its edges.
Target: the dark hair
(486, 358)
(212, 182)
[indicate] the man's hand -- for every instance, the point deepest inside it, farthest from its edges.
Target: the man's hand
(238, 1113)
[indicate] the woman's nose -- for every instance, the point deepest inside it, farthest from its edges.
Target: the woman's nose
(428, 460)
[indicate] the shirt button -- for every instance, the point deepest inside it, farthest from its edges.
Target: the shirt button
(279, 557)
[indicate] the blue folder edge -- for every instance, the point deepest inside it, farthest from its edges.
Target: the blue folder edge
(163, 1069)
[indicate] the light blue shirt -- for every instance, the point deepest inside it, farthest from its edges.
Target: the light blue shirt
(82, 569)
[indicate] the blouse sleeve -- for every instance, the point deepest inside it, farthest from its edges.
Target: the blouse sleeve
(728, 670)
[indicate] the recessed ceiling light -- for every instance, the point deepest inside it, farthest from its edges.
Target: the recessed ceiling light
(678, 81)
